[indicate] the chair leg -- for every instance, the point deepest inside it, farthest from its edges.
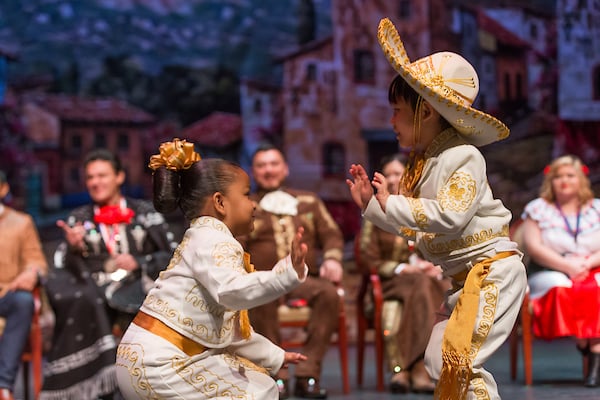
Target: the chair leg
(514, 348)
(527, 338)
(25, 365)
(379, 346)
(343, 348)
(360, 348)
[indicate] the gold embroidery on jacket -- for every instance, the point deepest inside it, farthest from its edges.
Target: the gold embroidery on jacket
(418, 212)
(458, 194)
(461, 243)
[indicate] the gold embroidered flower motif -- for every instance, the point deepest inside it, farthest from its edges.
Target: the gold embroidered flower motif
(458, 194)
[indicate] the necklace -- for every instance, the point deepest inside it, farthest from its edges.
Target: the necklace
(575, 232)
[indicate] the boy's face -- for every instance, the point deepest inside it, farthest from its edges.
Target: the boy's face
(403, 123)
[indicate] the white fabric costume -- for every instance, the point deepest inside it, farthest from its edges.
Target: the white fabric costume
(456, 223)
(200, 296)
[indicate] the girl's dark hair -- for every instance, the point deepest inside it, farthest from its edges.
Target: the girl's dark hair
(385, 160)
(104, 155)
(190, 188)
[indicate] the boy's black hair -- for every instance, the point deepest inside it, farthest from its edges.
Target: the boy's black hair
(399, 89)
(104, 155)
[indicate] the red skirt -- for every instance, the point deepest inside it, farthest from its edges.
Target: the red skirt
(569, 311)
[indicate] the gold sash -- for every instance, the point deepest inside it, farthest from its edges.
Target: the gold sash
(456, 344)
(245, 328)
(151, 324)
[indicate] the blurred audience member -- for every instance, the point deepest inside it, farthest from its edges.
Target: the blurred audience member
(279, 214)
(115, 248)
(22, 265)
(562, 237)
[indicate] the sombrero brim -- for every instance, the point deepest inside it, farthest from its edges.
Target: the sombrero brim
(475, 126)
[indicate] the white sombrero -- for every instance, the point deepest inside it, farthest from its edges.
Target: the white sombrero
(446, 81)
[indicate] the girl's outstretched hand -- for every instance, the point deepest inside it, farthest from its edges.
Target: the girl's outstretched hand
(360, 186)
(298, 253)
(381, 185)
(292, 358)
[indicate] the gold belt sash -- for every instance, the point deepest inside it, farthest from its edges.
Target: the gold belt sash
(151, 324)
(457, 366)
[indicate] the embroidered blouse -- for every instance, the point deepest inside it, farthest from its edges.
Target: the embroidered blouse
(555, 232)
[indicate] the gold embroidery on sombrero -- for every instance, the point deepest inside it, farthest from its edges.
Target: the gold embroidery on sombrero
(448, 82)
(130, 356)
(458, 193)
(426, 73)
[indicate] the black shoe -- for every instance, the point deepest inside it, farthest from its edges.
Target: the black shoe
(400, 382)
(284, 388)
(308, 388)
(593, 378)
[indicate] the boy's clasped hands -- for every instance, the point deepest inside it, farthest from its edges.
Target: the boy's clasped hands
(361, 187)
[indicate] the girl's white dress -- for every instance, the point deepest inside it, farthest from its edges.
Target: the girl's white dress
(200, 296)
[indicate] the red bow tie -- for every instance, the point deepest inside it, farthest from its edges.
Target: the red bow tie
(114, 215)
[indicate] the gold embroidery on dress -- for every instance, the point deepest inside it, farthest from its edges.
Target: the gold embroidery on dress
(130, 356)
(200, 331)
(228, 255)
(458, 193)
(176, 258)
(210, 384)
(209, 221)
(418, 212)
(193, 297)
(241, 363)
(463, 242)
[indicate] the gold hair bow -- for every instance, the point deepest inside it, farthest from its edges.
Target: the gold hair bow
(175, 155)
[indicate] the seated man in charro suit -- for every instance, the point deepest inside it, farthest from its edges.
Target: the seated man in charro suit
(115, 248)
(279, 213)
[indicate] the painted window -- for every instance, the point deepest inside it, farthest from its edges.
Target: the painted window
(334, 160)
(364, 66)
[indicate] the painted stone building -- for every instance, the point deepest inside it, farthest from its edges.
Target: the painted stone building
(64, 128)
(335, 91)
(578, 26)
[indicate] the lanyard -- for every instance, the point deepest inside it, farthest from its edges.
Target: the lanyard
(571, 231)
